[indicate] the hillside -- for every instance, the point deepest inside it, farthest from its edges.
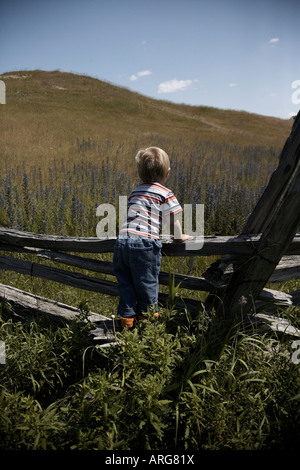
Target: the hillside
(47, 112)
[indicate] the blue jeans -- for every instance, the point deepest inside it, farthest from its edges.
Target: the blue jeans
(136, 264)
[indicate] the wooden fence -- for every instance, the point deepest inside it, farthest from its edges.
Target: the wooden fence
(267, 251)
(58, 249)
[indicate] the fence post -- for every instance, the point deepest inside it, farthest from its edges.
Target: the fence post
(250, 277)
(278, 184)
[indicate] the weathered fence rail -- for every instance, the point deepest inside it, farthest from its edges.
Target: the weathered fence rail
(288, 267)
(11, 240)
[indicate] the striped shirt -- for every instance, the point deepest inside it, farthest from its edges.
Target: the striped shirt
(148, 205)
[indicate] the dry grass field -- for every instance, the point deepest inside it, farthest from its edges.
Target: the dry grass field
(46, 112)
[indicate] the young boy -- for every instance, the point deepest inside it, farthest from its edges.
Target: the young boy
(137, 251)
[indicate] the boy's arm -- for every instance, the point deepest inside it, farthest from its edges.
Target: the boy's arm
(176, 230)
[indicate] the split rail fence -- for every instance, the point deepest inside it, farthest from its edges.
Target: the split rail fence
(266, 251)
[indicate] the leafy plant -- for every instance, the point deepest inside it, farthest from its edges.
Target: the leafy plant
(161, 386)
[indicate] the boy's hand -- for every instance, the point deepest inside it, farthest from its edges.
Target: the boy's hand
(183, 238)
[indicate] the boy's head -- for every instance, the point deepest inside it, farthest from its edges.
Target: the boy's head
(153, 164)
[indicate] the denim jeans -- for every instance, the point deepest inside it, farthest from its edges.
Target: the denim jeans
(136, 264)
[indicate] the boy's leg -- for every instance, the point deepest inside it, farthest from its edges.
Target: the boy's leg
(127, 300)
(145, 266)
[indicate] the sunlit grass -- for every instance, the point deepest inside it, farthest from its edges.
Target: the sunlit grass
(46, 111)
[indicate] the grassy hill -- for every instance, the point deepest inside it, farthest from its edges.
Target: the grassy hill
(46, 113)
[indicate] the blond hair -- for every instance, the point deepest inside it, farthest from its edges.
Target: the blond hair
(153, 164)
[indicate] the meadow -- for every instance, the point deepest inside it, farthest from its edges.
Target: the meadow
(226, 178)
(62, 199)
(175, 383)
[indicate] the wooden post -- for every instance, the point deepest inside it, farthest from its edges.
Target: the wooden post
(278, 214)
(278, 184)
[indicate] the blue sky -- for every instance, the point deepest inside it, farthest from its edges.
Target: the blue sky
(230, 54)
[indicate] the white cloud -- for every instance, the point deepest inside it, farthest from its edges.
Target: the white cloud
(173, 85)
(143, 73)
(274, 40)
(233, 84)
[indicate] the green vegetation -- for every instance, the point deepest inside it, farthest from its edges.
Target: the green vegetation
(67, 146)
(166, 385)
